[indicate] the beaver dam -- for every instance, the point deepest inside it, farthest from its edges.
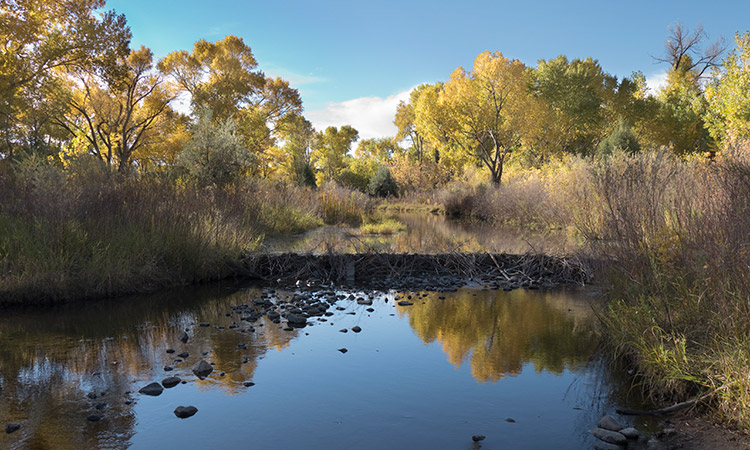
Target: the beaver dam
(434, 271)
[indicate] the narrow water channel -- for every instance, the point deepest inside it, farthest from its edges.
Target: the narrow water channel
(519, 367)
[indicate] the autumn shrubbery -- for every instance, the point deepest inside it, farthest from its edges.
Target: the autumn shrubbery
(84, 231)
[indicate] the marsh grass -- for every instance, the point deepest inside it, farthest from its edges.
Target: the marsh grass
(341, 206)
(383, 226)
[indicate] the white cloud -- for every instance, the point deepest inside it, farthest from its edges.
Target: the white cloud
(656, 82)
(371, 116)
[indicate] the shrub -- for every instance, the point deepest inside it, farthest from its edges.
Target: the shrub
(382, 183)
(621, 138)
(215, 153)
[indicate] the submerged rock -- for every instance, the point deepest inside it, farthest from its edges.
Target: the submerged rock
(630, 433)
(12, 427)
(183, 412)
(95, 418)
(202, 369)
(478, 437)
(343, 350)
(184, 337)
(405, 303)
(153, 389)
(356, 329)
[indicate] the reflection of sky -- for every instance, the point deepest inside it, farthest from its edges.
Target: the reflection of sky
(391, 389)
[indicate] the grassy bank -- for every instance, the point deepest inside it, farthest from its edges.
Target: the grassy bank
(84, 232)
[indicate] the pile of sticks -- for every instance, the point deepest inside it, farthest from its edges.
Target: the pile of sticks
(526, 268)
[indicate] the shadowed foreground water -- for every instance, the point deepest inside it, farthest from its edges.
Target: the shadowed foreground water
(429, 375)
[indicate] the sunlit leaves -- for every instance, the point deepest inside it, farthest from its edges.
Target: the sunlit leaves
(729, 95)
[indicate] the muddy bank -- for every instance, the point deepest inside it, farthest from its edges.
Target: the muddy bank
(435, 271)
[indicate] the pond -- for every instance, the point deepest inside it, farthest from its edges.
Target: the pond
(519, 367)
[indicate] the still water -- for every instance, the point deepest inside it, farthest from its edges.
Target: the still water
(519, 367)
(429, 234)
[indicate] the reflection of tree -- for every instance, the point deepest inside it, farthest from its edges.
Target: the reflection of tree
(500, 332)
(50, 361)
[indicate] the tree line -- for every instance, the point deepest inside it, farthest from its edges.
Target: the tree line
(72, 87)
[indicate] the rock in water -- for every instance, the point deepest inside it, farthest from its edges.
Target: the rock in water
(405, 303)
(153, 389)
(296, 319)
(356, 329)
(613, 437)
(630, 433)
(599, 445)
(95, 418)
(478, 437)
(343, 350)
(183, 412)
(170, 382)
(202, 369)
(609, 423)
(12, 427)
(184, 337)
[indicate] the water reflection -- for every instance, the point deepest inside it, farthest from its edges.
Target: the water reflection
(509, 354)
(57, 367)
(499, 336)
(427, 233)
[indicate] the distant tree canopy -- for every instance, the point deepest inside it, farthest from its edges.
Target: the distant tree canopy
(72, 86)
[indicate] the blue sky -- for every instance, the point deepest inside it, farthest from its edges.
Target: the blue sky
(352, 61)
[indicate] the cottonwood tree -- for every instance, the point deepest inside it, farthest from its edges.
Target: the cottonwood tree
(118, 113)
(729, 95)
(39, 40)
(484, 110)
(330, 150)
(223, 76)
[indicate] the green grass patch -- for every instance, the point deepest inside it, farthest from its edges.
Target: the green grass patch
(387, 226)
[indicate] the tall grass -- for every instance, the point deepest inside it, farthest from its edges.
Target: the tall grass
(339, 205)
(677, 235)
(70, 235)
